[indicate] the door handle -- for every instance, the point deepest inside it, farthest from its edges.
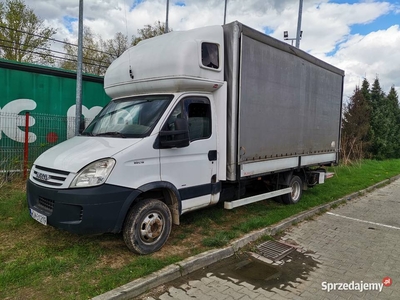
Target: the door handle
(212, 155)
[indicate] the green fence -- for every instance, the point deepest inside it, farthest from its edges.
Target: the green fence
(49, 96)
(32, 135)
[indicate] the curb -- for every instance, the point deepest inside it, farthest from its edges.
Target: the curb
(191, 264)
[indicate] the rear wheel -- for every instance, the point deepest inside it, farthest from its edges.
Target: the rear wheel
(297, 190)
(147, 226)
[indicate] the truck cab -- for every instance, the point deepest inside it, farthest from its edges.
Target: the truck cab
(156, 151)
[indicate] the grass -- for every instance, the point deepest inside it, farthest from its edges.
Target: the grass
(38, 262)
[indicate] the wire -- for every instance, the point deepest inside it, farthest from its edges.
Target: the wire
(101, 63)
(46, 49)
(58, 57)
(40, 48)
(51, 39)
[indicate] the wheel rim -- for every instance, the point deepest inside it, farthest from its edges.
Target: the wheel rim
(296, 190)
(151, 227)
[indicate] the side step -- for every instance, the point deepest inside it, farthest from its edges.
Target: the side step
(244, 201)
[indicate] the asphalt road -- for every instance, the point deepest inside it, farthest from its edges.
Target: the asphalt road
(350, 252)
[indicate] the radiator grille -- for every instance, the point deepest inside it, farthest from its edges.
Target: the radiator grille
(49, 176)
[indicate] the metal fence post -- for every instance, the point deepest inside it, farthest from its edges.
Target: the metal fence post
(26, 147)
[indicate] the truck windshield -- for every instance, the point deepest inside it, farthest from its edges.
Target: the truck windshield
(133, 117)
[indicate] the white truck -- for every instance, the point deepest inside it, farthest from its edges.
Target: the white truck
(196, 118)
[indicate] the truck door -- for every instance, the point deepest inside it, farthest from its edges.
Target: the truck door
(192, 169)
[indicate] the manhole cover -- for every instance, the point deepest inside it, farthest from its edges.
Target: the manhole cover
(274, 250)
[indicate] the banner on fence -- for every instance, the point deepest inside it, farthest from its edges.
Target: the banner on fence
(44, 90)
(49, 95)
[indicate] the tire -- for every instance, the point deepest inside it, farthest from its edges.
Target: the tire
(297, 190)
(147, 226)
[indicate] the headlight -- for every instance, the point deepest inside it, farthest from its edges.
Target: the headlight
(94, 174)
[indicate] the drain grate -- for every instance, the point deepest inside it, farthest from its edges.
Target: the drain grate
(274, 250)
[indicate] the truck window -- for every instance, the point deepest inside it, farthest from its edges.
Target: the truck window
(209, 55)
(176, 114)
(199, 121)
(198, 113)
(133, 117)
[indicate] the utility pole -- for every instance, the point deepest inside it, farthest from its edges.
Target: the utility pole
(298, 35)
(166, 19)
(226, 4)
(78, 106)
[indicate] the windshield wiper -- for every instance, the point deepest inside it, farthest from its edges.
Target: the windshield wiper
(111, 133)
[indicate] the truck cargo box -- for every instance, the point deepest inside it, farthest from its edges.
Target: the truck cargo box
(284, 105)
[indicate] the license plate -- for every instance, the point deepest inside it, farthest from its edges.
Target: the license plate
(41, 218)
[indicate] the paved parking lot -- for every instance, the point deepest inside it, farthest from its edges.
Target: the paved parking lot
(350, 252)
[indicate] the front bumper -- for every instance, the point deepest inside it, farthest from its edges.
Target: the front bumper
(92, 210)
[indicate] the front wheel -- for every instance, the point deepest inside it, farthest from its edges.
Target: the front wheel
(147, 226)
(297, 189)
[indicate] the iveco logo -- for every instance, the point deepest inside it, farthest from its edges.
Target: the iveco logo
(42, 176)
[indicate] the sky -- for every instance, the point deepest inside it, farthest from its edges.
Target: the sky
(362, 37)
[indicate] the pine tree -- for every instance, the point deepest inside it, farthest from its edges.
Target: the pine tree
(365, 90)
(382, 124)
(393, 104)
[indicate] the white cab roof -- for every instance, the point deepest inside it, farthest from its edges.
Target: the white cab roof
(168, 63)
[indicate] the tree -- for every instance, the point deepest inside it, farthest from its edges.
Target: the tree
(99, 54)
(393, 105)
(383, 124)
(23, 37)
(115, 47)
(149, 31)
(94, 60)
(355, 127)
(365, 91)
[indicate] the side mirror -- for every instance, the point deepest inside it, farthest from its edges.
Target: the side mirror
(177, 138)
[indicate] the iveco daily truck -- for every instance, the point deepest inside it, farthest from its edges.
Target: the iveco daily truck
(196, 118)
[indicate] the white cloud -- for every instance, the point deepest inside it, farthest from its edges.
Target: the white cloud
(370, 56)
(326, 26)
